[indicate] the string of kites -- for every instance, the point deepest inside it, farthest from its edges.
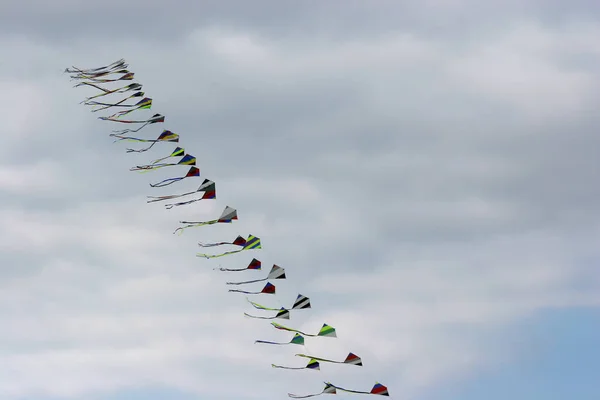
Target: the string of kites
(98, 78)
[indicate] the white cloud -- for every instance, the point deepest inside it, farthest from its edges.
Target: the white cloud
(100, 295)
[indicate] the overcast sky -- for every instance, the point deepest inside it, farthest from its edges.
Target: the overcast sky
(426, 171)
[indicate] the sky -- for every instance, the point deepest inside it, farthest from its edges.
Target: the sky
(425, 171)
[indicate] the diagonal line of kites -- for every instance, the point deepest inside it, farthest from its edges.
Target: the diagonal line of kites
(97, 78)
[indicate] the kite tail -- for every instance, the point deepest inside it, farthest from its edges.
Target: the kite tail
(151, 121)
(267, 342)
(131, 130)
(230, 269)
(243, 291)
(104, 106)
(148, 168)
(106, 91)
(257, 317)
(243, 283)
(195, 225)
(283, 314)
(154, 199)
(183, 203)
(283, 367)
(213, 244)
(110, 67)
(164, 182)
(217, 255)
(295, 396)
(144, 149)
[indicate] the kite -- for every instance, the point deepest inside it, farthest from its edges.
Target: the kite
(193, 172)
(326, 330)
(127, 76)
(253, 243)
(302, 302)
(96, 75)
(165, 136)
(378, 389)
(124, 89)
(178, 152)
(268, 289)
(156, 118)
(227, 216)
(283, 314)
(208, 187)
(276, 273)
(100, 70)
(351, 359)
(143, 104)
(254, 265)
(104, 106)
(312, 364)
(152, 120)
(297, 339)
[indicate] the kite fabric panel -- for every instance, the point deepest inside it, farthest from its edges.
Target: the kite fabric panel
(116, 93)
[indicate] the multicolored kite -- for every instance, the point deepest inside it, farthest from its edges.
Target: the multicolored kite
(185, 160)
(276, 273)
(127, 76)
(208, 187)
(155, 119)
(312, 364)
(144, 104)
(98, 106)
(283, 314)
(351, 359)
(165, 136)
(297, 339)
(302, 302)
(98, 75)
(192, 173)
(332, 389)
(326, 330)
(252, 243)
(98, 71)
(227, 216)
(268, 289)
(106, 92)
(255, 265)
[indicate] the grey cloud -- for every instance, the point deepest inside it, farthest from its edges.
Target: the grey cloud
(68, 21)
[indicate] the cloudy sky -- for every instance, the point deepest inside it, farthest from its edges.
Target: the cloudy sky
(425, 170)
